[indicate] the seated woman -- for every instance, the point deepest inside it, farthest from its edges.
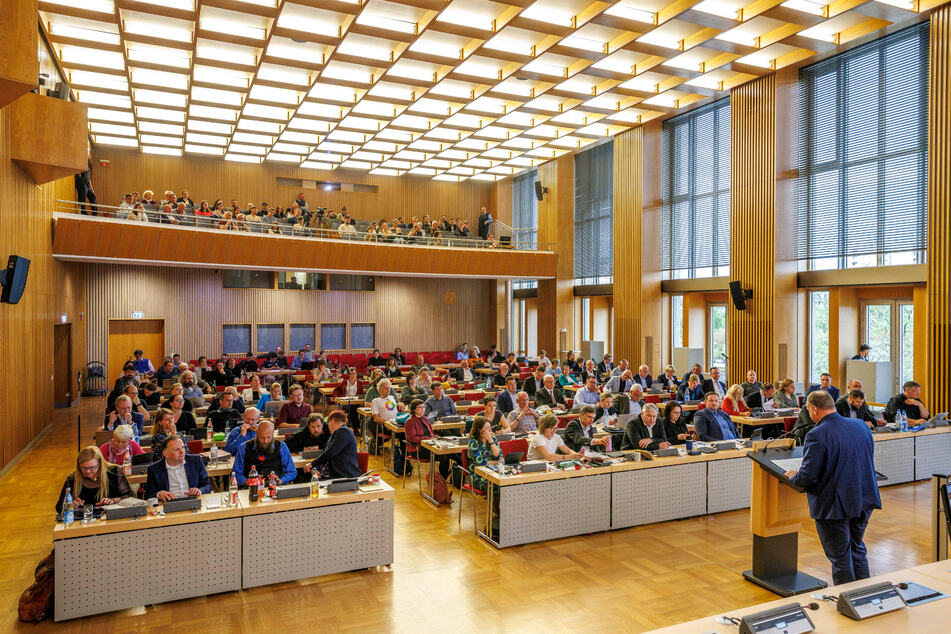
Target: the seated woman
(254, 393)
(567, 376)
(785, 396)
(314, 436)
(481, 449)
(321, 374)
(411, 391)
(425, 380)
(392, 370)
(220, 375)
(274, 394)
(605, 410)
(184, 420)
(733, 402)
(419, 429)
(204, 210)
(94, 481)
(121, 446)
(349, 387)
(162, 427)
(675, 424)
(546, 444)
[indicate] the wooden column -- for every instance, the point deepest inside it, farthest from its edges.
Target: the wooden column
(19, 66)
(556, 225)
(637, 297)
(762, 230)
(937, 379)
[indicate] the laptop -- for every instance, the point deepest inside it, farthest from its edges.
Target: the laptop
(168, 383)
(307, 365)
(656, 388)
(102, 437)
(623, 419)
(198, 401)
(514, 458)
(940, 420)
(272, 408)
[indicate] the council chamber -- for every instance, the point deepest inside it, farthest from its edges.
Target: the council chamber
(412, 315)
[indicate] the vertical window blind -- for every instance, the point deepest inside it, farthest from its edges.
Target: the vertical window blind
(695, 190)
(594, 215)
(864, 149)
(525, 211)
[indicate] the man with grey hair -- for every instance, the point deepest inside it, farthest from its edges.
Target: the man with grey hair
(123, 415)
(645, 431)
(634, 401)
(522, 418)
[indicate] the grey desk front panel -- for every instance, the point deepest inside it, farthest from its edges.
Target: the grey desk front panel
(103, 573)
(932, 455)
(728, 484)
(895, 459)
(658, 494)
(557, 508)
(316, 541)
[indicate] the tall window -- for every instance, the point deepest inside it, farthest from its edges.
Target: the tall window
(863, 155)
(594, 215)
(718, 336)
(818, 334)
(889, 327)
(906, 343)
(695, 192)
(676, 321)
(525, 211)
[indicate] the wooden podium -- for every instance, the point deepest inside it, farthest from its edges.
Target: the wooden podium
(777, 511)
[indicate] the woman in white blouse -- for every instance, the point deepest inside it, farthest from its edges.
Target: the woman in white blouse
(424, 379)
(546, 444)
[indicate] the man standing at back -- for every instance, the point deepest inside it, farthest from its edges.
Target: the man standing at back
(838, 474)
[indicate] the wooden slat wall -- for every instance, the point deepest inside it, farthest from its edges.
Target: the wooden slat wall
(417, 314)
(556, 225)
(52, 290)
(937, 381)
(628, 226)
(211, 178)
(752, 226)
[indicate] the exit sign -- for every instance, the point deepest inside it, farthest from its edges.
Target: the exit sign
(138, 315)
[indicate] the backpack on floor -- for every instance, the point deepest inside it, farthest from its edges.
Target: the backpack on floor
(36, 602)
(441, 492)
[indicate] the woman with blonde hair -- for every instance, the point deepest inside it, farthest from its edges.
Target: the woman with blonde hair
(733, 402)
(94, 481)
(785, 396)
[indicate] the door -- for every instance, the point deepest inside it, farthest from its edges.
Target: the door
(63, 389)
(717, 345)
(128, 335)
(889, 327)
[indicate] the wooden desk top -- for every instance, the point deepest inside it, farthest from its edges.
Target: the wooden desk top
(928, 617)
(442, 450)
(399, 429)
(223, 468)
(325, 499)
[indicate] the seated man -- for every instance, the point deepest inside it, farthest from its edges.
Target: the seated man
(534, 382)
(750, 385)
(632, 402)
(669, 378)
(493, 356)
(439, 404)
(463, 373)
(265, 453)
(225, 416)
(712, 423)
(236, 401)
(645, 431)
(853, 405)
(620, 368)
(909, 402)
(580, 434)
(691, 390)
(420, 364)
(142, 365)
(605, 366)
(166, 372)
(123, 415)
(714, 384)
(376, 360)
(502, 375)
(177, 474)
(294, 411)
(550, 395)
(506, 398)
(589, 370)
(589, 394)
(825, 384)
(763, 399)
(150, 395)
(299, 360)
(643, 377)
(862, 354)
(523, 418)
(803, 426)
(620, 383)
(190, 386)
(339, 459)
(244, 433)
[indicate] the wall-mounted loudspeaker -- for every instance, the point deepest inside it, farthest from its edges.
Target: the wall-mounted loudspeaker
(540, 191)
(14, 279)
(739, 295)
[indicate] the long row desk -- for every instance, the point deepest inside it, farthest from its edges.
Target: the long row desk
(625, 494)
(204, 552)
(925, 617)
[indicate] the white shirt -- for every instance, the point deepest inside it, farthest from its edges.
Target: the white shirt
(352, 388)
(177, 480)
(543, 360)
(635, 407)
(466, 374)
(346, 228)
(385, 408)
(717, 388)
(539, 440)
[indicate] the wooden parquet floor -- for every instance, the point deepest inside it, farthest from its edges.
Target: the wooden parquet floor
(445, 578)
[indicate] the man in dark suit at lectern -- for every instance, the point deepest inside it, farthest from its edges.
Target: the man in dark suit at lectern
(838, 474)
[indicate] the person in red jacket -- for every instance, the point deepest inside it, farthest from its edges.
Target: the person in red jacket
(417, 429)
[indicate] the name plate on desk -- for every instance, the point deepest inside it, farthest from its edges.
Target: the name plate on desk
(667, 453)
(342, 485)
(116, 512)
(532, 466)
(186, 504)
(873, 600)
(293, 491)
(310, 455)
(788, 619)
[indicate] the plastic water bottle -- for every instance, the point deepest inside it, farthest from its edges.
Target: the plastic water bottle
(69, 515)
(214, 455)
(314, 485)
(127, 464)
(902, 420)
(87, 514)
(233, 491)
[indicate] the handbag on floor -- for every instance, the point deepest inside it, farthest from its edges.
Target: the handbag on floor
(36, 602)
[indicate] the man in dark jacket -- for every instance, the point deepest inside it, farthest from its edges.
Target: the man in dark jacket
(339, 459)
(853, 405)
(645, 431)
(580, 434)
(177, 474)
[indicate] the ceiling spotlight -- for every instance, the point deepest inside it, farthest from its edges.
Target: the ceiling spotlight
(327, 188)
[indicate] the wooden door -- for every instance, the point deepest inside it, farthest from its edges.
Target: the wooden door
(128, 335)
(64, 390)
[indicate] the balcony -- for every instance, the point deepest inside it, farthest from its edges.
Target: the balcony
(199, 242)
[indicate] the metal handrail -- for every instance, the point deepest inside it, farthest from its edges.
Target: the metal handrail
(322, 232)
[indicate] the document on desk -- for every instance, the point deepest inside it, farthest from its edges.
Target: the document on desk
(788, 464)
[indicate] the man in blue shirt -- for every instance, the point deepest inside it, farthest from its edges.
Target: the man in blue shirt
(825, 384)
(588, 395)
(838, 474)
(142, 365)
(298, 360)
(266, 454)
(439, 403)
(167, 371)
(712, 423)
(247, 431)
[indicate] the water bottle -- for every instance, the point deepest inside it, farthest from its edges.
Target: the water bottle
(272, 486)
(127, 465)
(903, 420)
(87, 514)
(214, 455)
(314, 485)
(253, 485)
(69, 515)
(233, 491)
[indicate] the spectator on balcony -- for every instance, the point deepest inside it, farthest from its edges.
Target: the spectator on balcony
(253, 220)
(235, 208)
(180, 211)
(170, 199)
(490, 242)
(168, 215)
(371, 234)
(185, 198)
(218, 210)
(148, 201)
(227, 223)
(241, 223)
(138, 213)
(462, 230)
(204, 210)
(275, 229)
(301, 202)
(126, 206)
(346, 231)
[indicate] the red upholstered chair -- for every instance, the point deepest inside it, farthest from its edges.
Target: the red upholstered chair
(789, 422)
(476, 409)
(652, 398)
(363, 461)
(515, 446)
(195, 447)
(562, 422)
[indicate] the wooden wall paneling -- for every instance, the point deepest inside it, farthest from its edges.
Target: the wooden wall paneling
(937, 379)
(49, 136)
(651, 298)
(211, 178)
(556, 226)
(502, 201)
(19, 65)
(787, 329)
(628, 260)
(920, 338)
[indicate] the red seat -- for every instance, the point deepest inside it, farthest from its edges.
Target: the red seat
(562, 422)
(195, 447)
(789, 422)
(476, 396)
(652, 398)
(476, 409)
(363, 461)
(456, 397)
(515, 446)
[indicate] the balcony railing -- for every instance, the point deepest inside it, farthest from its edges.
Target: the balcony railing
(323, 227)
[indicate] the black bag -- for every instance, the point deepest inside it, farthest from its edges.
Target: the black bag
(399, 456)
